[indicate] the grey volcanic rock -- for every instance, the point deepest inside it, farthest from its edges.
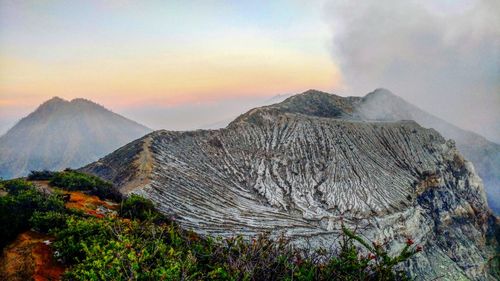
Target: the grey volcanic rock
(61, 134)
(381, 104)
(302, 166)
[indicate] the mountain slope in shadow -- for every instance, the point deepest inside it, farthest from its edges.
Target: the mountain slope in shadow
(61, 134)
(381, 104)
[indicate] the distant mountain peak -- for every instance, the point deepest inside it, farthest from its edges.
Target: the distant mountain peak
(55, 100)
(50, 105)
(84, 101)
(312, 103)
(77, 100)
(314, 92)
(58, 106)
(60, 101)
(386, 95)
(61, 133)
(86, 104)
(383, 91)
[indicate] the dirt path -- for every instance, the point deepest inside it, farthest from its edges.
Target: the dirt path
(144, 168)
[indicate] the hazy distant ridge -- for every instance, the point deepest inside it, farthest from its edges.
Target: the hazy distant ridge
(60, 134)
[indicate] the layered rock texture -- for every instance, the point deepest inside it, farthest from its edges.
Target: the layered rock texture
(302, 166)
(61, 134)
(484, 154)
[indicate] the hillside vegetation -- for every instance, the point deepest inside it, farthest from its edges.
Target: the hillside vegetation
(135, 242)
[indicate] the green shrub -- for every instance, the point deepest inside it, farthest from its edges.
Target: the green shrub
(41, 175)
(16, 185)
(79, 233)
(145, 247)
(383, 266)
(47, 221)
(76, 181)
(137, 207)
(138, 252)
(113, 249)
(18, 206)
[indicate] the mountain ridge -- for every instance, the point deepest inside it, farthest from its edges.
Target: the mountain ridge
(383, 105)
(61, 134)
(296, 169)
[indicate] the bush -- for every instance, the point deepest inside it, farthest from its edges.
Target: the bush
(17, 207)
(135, 252)
(141, 250)
(137, 207)
(41, 175)
(17, 185)
(47, 221)
(79, 234)
(76, 181)
(143, 246)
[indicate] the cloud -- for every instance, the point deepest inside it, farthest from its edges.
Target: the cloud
(442, 56)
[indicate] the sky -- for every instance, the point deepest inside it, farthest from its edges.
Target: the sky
(188, 64)
(138, 57)
(443, 56)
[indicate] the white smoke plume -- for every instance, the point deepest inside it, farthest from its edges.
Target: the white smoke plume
(443, 56)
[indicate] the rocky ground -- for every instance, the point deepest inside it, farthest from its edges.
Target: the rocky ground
(302, 166)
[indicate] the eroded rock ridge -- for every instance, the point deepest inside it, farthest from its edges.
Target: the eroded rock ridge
(301, 166)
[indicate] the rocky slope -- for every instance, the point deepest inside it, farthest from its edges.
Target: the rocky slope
(381, 104)
(61, 134)
(302, 166)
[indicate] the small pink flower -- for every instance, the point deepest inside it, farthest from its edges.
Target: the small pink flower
(409, 242)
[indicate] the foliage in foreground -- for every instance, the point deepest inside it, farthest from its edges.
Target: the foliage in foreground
(141, 245)
(493, 239)
(22, 201)
(137, 248)
(117, 249)
(137, 207)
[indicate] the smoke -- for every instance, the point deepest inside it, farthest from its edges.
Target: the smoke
(442, 56)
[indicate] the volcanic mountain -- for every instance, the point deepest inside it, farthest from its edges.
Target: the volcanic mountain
(484, 154)
(306, 165)
(61, 134)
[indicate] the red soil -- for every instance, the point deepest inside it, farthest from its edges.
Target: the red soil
(29, 258)
(87, 203)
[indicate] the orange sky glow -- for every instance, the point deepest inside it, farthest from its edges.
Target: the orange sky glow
(162, 54)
